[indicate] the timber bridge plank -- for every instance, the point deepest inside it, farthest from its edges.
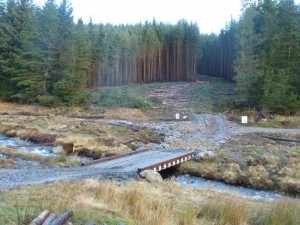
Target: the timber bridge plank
(145, 160)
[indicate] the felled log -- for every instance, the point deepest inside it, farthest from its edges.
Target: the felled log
(49, 219)
(41, 218)
(63, 218)
(282, 139)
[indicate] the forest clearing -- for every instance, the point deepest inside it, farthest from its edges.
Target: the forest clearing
(74, 92)
(239, 157)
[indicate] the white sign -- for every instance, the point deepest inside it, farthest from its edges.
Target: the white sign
(177, 116)
(244, 119)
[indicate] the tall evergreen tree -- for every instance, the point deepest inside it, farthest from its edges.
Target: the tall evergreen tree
(48, 22)
(10, 30)
(28, 75)
(72, 87)
(247, 63)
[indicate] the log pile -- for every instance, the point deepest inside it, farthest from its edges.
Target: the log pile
(47, 218)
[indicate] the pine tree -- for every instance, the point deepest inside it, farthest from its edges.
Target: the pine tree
(9, 48)
(48, 22)
(72, 87)
(247, 63)
(28, 74)
(281, 58)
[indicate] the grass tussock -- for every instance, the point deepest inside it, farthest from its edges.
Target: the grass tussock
(77, 129)
(206, 170)
(142, 203)
(281, 121)
(226, 210)
(7, 163)
(252, 160)
(279, 213)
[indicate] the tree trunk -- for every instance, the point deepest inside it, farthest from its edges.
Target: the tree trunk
(41, 218)
(63, 218)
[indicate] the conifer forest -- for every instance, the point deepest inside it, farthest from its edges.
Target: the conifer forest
(48, 58)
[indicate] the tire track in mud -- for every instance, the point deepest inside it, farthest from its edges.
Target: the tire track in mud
(215, 127)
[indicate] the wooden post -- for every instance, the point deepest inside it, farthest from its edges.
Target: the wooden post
(63, 218)
(41, 218)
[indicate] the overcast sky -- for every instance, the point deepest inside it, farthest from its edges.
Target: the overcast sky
(210, 15)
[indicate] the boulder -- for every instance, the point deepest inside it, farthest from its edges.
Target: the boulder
(151, 176)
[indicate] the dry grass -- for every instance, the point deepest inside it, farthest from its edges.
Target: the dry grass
(226, 210)
(142, 203)
(279, 213)
(125, 114)
(251, 160)
(208, 170)
(7, 163)
(282, 122)
(75, 128)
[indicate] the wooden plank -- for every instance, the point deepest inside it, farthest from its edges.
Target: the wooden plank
(161, 165)
(106, 159)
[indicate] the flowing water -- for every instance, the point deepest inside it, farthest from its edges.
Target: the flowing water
(46, 151)
(2, 156)
(41, 150)
(197, 182)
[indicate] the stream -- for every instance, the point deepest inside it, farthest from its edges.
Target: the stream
(46, 151)
(41, 150)
(185, 180)
(197, 182)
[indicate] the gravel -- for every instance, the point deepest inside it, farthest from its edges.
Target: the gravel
(203, 132)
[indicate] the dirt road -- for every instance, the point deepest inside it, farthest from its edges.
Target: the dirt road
(198, 132)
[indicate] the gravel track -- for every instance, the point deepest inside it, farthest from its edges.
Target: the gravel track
(199, 132)
(119, 169)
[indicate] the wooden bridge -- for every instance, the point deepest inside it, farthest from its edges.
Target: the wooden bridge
(144, 160)
(125, 165)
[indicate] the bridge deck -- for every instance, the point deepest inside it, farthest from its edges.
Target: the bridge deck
(146, 160)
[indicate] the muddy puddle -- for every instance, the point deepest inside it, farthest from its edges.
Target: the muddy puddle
(197, 182)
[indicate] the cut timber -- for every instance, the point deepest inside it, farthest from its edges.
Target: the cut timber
(63, 218)
(282, 139)
(41, 218)
(49, 219)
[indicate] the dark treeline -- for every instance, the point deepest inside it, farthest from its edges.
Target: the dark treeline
(142, 53)
(45, 57)
(218, 53)
(261, 53)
